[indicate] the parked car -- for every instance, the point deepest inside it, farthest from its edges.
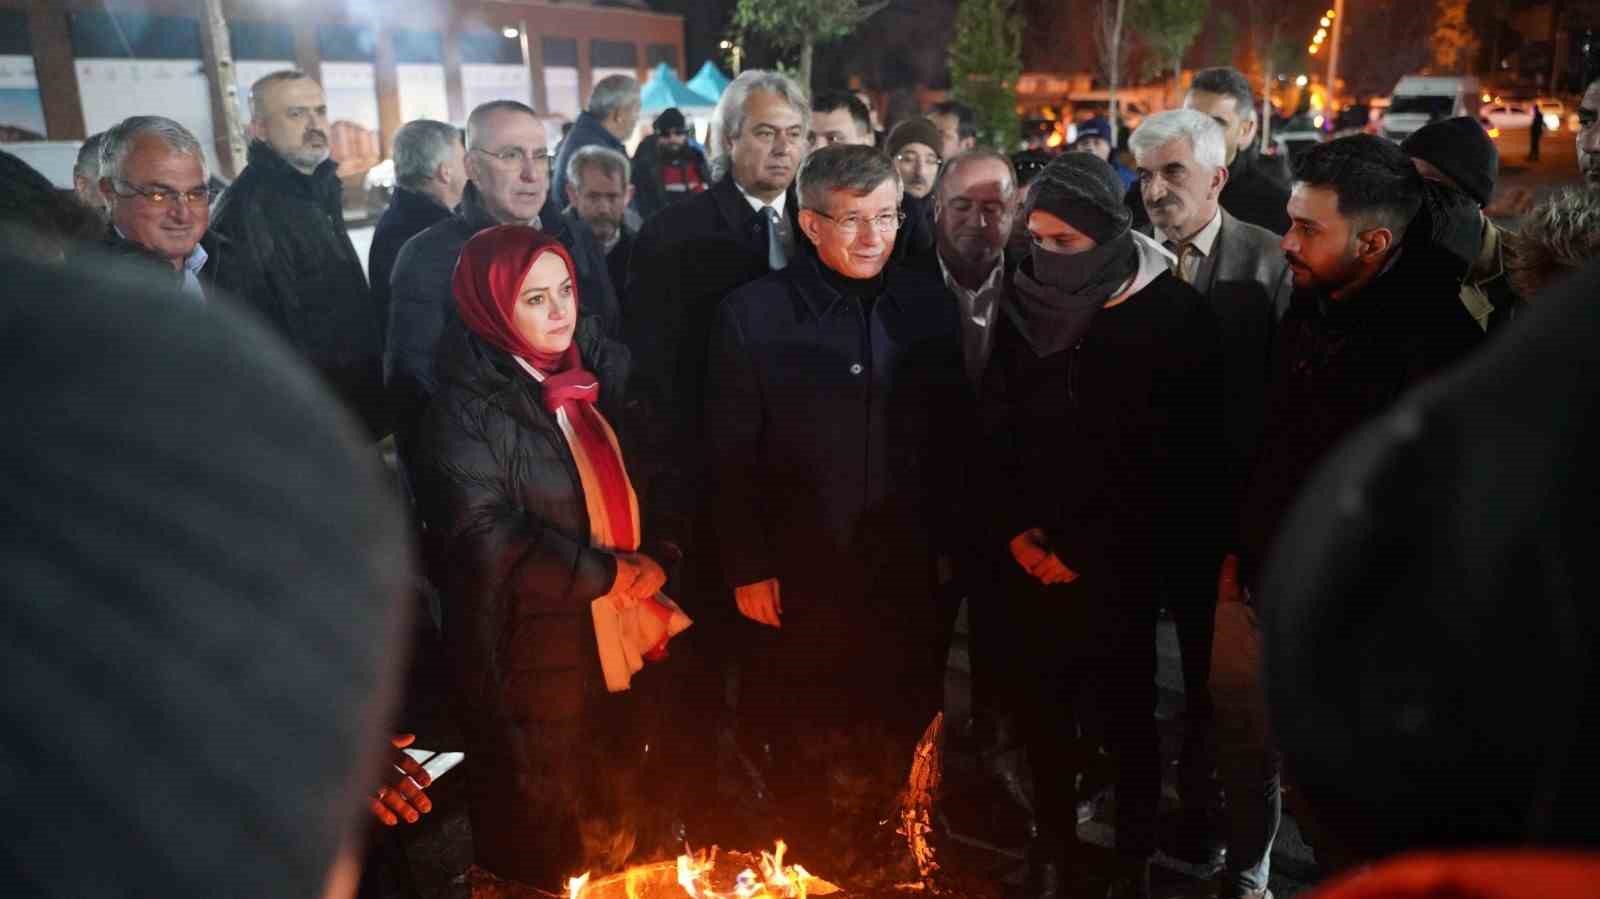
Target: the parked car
(1509, 114)
(1554, 111)
(1420, 100)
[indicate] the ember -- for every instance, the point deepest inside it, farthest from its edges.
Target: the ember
(700, 876)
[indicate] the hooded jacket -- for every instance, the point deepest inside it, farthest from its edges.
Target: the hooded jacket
(296, 266)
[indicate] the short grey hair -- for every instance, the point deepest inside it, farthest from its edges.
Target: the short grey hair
(420, 147)
(857, 169)
(88, 162)
(729, 115)
(610, 161)
(973, 155)
(484, 110)
(119, 140)
(260, 85)
(1200, 130)
(613, 92)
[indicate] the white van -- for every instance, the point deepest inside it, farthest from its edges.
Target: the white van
(1421, 99)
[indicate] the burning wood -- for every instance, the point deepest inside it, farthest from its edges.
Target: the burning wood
(916, 811)
(697, 876)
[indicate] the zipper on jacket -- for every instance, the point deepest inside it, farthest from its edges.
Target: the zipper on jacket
(1072, 373)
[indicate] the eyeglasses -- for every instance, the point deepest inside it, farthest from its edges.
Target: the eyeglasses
(518, 157)
(164, 196)
(849, 226)
(910, 158)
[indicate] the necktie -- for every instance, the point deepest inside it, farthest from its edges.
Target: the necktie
(1188, 255)
(776, 257)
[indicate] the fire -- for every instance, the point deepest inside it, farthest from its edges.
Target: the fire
(769, 878)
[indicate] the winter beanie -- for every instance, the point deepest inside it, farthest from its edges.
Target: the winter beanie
(914, 131)
(1459, 148)
(1084, 191)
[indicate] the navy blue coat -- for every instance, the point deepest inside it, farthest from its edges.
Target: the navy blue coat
(830, 426)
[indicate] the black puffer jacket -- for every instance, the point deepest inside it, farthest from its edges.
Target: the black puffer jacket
(295, 264)
(507, 534)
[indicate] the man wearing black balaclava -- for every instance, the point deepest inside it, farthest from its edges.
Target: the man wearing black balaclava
(1102, 405)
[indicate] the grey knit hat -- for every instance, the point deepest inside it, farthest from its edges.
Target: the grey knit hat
(913, 131)
(204, 593)
(1084, 191)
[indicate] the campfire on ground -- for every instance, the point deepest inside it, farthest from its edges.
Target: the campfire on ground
(737, 875)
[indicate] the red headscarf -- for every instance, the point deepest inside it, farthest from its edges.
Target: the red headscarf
(487, 281)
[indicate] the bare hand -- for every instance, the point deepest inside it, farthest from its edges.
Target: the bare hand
(648, 576)
(760, 602)
(1031, 549)
(401, 794)
(1228, 581)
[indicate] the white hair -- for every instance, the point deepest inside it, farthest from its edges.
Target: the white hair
(612, 93)
(119, 139)
(420, 147)
(1200, 130)
(729, 118)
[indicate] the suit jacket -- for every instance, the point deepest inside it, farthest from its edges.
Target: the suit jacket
(1247, 283)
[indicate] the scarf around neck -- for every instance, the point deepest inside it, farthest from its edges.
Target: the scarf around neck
(1055, 296)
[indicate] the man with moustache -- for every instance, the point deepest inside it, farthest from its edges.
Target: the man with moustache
(825, 531)
(508, 172)
(153, 184)
(1179, 157)
(1368, 318)
(914, 147)
(666, 168)
(1589, 135)
(598, 194)
(295, 263)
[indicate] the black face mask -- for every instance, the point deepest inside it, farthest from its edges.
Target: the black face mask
(1055, 296)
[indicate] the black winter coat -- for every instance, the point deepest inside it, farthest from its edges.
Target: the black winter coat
(410, 213)
(295, 264)
(507, 532)
(587, 131)
(424, 305)
(1337, 364)
(831, 425)
(1113, 447)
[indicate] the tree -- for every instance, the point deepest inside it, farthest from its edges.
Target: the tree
(1109, 21)
(985, 63)
(1224, 37)
(1454, 43)
(803, 24)
(1168, 28)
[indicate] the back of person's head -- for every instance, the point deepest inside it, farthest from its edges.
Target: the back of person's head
(1228, 82)
(37, 221)
(1554, 240)
(1375, 182)
(87, 164)
(833, 101)
(204, 599)
(612, 93)
(1428, 616)
(420, 147)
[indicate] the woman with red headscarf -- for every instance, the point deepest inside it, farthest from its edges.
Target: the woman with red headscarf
(530, 517)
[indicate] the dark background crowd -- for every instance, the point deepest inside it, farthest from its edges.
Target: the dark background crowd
(833, 395)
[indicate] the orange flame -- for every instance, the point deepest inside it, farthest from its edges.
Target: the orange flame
(575, 886)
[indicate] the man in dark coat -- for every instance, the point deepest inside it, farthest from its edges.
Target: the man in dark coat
(295, 262)
(509, 170)
(1101, 409)
(597, 199)
(827, 534)
(610, 118)
(430, 173)
(914, 147)
(666, 167)
(1368, 318)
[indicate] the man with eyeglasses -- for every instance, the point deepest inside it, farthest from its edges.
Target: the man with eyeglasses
(153, 181)
(508, 178)
(1589, 135)
(836, 381)
(295, 263)
(913, 145)
(667, 169)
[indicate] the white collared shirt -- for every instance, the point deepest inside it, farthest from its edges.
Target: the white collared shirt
(1203, 243)
(978, 309)
(780, 204)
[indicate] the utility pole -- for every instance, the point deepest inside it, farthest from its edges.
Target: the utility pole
(1337, 15)
(217, 49)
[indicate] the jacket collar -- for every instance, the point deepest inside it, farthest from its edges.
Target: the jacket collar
(587, 126)
(472, 212)
(736, 211)
(818, 296)
(417, 204)
(320, 184)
